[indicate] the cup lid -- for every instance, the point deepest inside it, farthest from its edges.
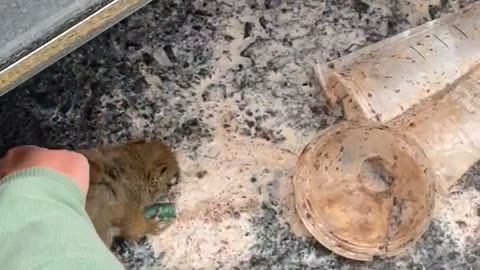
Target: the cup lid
(364, 190)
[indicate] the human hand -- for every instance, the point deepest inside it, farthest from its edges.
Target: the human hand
(71, 164)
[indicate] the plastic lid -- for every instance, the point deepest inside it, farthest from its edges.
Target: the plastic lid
(364, 191)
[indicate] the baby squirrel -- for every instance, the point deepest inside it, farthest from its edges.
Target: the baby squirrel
(125, 179)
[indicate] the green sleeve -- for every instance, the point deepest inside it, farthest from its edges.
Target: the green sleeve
(44, 225)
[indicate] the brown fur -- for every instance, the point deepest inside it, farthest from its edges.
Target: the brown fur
(124, 180)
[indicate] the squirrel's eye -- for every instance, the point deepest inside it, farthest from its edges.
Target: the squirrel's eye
(163, 170)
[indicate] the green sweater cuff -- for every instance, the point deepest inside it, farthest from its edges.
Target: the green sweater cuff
(67, 190)
(44, 225)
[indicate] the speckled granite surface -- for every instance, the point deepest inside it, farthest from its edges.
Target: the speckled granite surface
(228, 84)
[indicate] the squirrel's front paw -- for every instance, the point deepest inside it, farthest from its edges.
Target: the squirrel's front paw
(156, 226)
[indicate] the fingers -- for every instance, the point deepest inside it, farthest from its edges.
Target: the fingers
(11, 158)
(71, 164)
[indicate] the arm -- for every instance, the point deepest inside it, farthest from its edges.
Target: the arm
(44, 225)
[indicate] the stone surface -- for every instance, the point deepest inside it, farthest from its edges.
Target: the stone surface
(229, 85)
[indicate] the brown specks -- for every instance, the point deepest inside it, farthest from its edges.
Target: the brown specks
(370, 95)
(201, 174)
(412, 124)
(331, 65)
(461, 223)
(395, 157)
(253, 179)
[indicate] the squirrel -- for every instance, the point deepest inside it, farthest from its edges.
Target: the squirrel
(124, 180)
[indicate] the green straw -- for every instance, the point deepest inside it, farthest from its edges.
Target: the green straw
(163, 211)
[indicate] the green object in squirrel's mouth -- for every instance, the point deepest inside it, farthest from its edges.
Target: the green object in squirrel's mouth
(163, 211)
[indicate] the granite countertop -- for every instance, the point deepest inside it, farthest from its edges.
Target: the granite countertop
(228, 84)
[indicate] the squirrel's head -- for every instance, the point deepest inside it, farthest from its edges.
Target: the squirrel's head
(160, 165)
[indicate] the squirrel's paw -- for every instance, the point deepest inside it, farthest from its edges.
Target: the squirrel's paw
(156, 226)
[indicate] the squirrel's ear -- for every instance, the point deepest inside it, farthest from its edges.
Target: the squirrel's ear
(162, 169)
